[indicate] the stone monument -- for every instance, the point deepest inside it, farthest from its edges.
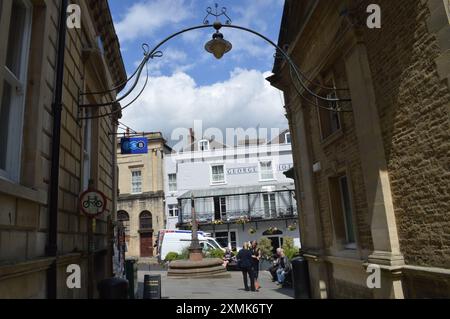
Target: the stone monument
(197, 266)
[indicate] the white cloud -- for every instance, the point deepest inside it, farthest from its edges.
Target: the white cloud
(146, 17)
(245, 100)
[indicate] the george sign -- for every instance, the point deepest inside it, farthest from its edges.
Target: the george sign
(93, 203)
(242, 170)
(133, 145)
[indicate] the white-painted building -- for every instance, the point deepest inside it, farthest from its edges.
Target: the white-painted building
(240, 193)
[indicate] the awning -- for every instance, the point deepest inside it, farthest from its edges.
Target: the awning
(239, 190)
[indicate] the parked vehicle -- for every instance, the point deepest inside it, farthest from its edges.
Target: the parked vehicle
(177, 240)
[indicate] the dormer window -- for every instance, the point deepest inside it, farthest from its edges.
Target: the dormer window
(203, 145)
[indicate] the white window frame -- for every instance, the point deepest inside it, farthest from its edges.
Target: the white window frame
(200, 143)
(171, 208)
(261, 179)
(229, 236)
(132, 182)
(18, 91)
(211, 174)
(270, 205)
(169, 183)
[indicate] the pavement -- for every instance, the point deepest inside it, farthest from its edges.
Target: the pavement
(211, 288)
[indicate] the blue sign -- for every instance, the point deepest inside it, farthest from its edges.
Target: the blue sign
(134, 145)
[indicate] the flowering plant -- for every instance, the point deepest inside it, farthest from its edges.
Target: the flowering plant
(218, 222)
(292, 227)
(252, 231)
(242, 220)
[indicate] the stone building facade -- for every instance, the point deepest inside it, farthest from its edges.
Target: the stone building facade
(92, 62)
(374, 182)
(141, 196)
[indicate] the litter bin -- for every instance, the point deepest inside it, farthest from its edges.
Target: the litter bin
(300, 278)
(131, 275)
(113, 288)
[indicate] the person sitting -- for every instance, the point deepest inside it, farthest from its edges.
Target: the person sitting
(284, 267)
(227, 257)
(276, 261)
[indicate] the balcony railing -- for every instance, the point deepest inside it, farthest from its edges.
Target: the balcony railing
(260, 213)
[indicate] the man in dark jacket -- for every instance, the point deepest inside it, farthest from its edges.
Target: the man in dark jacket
(276, 262)
(284, 267)
(245, 263)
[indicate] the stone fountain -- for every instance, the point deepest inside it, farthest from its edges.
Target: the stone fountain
(196, 266)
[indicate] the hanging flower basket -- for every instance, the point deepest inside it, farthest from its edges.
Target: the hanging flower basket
(252, 231)
(218, 222)
(272, 230)
(292, 227)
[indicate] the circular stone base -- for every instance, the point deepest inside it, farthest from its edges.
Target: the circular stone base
(209, 267)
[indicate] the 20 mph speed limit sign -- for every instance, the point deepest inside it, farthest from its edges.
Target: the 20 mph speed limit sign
(93, 202)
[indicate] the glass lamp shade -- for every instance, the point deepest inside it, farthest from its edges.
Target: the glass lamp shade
(218, 46)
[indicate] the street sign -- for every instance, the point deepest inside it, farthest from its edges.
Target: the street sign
(93, 202)
(134, 145)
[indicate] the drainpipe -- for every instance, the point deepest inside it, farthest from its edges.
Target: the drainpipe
(52, 246)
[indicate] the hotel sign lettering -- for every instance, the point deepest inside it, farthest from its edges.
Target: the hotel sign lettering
(242, 170)
(285, 167)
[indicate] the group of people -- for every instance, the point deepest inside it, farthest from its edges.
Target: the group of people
(248, 261)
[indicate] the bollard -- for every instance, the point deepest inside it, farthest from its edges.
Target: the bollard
(152, 287)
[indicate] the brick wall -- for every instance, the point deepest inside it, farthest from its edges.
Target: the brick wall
(23, 208)
(413, 104)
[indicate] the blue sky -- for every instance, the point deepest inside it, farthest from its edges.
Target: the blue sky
(189, 84)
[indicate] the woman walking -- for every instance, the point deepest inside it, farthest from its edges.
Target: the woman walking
(256, 257)
(245, 263)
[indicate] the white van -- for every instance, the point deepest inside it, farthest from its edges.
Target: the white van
(177, 240)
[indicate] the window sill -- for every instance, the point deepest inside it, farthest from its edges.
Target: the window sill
(218, 184)
(23, 192)
(332, 138)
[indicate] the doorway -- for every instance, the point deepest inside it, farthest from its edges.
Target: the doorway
(146, 243)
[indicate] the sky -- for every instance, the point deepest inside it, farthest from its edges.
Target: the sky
(188, 84)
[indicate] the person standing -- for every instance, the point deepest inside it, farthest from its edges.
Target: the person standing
(245, 263)
(256, 257)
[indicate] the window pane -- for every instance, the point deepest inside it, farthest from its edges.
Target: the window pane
(347, 210)
(172, 182)
(266, 170)
(4, 123)
(218, 175)
(136, 182)
(16, 37)
(145, 221)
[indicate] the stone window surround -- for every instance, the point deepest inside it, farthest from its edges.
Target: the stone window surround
(337, 247)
